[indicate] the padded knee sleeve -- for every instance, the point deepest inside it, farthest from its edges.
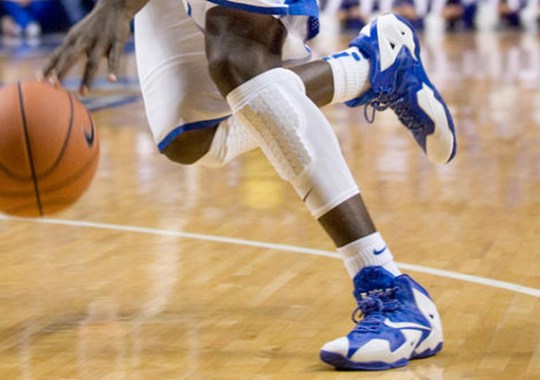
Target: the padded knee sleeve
(230, 140)
(296, 138)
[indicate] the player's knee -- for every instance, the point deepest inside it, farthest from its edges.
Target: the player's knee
(190, 146)
(179, 156)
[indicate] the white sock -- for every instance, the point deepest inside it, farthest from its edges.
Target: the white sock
(370, 250)
(351, 74)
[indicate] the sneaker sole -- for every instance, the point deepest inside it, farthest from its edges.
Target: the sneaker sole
(342, 363)
(433, 106)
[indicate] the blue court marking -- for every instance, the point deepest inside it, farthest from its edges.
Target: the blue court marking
(125, 85)
(98, 103)
(18, 48)
(101, 83)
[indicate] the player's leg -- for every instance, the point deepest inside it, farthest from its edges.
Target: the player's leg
(189, 119)
(187, 115)
(343, 76)
(348, 223)
(271, 102)
(174, 113)
(383, 68)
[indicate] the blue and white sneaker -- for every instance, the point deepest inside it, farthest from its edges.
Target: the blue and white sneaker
(400, 322)
(399, 81)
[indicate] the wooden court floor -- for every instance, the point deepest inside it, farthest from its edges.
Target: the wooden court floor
(168, 272)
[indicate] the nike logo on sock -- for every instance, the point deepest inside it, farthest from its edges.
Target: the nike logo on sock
(379, 251)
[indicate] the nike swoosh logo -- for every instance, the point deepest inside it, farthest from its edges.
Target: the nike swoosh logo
(408, 326)
(405, 325)
(90, 136)
(379, 251)
(307, 195)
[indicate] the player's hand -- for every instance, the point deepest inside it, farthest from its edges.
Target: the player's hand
(101, 34)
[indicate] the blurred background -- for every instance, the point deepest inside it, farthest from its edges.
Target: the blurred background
(141, 280)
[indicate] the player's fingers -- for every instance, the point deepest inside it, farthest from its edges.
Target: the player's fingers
(90, 70)
(113, 60)
(49, 69)
(66, 60)
(51, 79)
(51, 66)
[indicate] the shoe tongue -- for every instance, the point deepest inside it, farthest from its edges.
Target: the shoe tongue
(372, 280)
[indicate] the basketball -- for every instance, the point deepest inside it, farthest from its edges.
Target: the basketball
(49, 149)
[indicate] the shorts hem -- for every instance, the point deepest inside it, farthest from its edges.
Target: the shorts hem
(188, 127)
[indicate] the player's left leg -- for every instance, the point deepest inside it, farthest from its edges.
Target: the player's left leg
(401, 322)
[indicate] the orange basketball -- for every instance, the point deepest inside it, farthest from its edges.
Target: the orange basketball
(49, 149)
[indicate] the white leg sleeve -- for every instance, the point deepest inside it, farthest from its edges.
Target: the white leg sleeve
(230, 140)
(296, 137)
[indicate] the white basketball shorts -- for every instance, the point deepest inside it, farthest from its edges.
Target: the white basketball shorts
(177, 90)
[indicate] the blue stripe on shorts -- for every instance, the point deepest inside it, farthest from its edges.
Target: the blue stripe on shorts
(188, 127)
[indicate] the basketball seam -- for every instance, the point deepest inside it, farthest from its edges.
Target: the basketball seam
(48, 171)
(57, 185)
(16, 194)
(13, 175)
(74, 176)
(66, 140)
(29, 149)
(53, 201)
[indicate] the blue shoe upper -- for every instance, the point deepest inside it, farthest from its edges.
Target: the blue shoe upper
(382, 297)
(397, 86)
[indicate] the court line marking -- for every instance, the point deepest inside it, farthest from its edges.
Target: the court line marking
(279, 247)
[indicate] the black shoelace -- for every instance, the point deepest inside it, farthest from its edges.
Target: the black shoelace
(372, 309)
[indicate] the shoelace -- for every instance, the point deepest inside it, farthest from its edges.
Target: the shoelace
(388, 98)
(380, 103)
(372, 309)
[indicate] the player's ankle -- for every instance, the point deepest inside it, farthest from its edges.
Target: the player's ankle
(350, 70)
